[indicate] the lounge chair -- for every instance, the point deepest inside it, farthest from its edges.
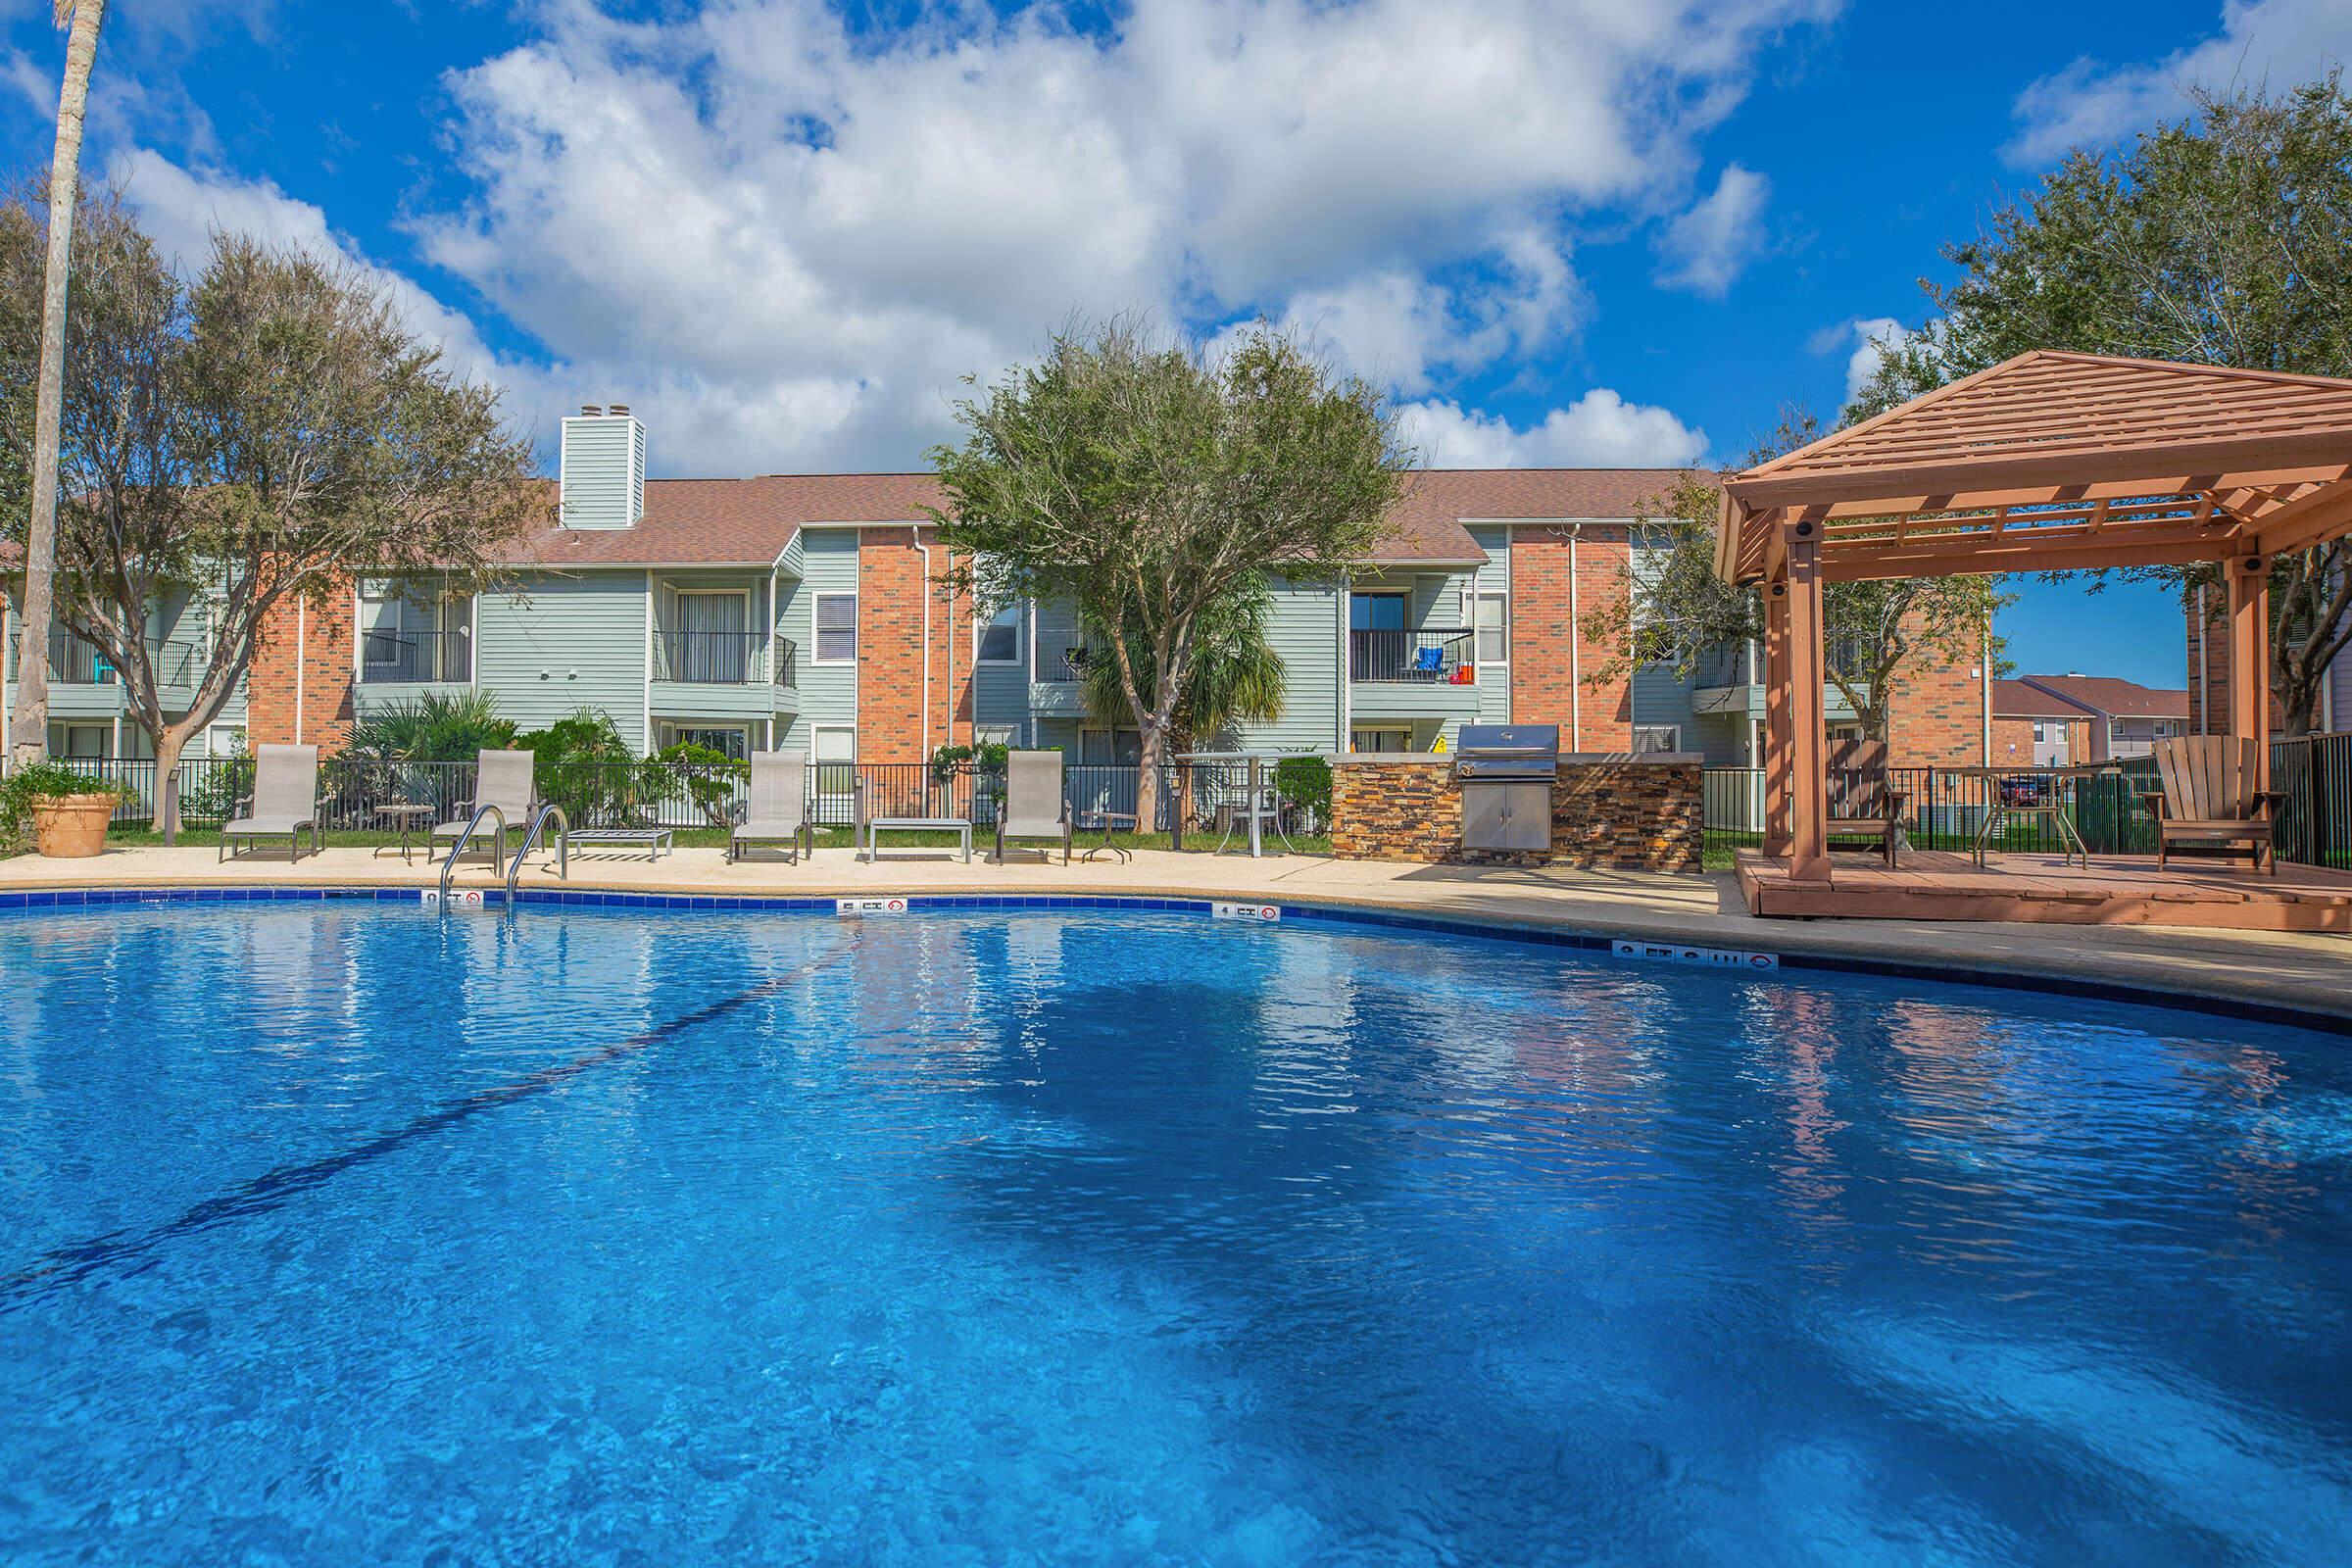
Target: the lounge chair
(776, 808)
(502, 779)
(1035, 809)
(2209, 798)
(284, 803)
(1862, 805)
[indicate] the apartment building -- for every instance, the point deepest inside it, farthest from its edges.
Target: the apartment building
(806, 610)
(90, 714)
(2111, 720)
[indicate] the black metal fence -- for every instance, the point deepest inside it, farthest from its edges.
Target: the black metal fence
(354, 792)
(1944, 810)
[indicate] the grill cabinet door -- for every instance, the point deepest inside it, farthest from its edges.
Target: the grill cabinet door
(1506, 816)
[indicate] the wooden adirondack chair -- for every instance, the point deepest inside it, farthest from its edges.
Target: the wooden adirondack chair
(2209, 798)
(1862, 802)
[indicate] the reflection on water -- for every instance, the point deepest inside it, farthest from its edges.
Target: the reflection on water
(1093, 1238)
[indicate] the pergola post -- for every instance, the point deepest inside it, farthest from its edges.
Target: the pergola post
(1808, 783)
(2250, 658)
(1776, 719)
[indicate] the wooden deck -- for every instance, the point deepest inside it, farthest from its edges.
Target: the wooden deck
(2117, 890)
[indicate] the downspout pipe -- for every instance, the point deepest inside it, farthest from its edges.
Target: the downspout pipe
(1576, 637)
(914, 533)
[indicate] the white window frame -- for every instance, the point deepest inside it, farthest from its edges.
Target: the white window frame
(1477, 654)
(1672, 732)
(1406, 730)
(857, 631)
(670, 730)
(212, 738)
(981, 630)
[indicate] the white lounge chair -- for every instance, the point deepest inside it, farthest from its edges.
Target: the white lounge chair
(285, 803)
(1035, 807)
(776, 807)
(502, 779)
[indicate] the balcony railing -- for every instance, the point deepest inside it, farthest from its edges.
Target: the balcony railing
(1742, 663)
(387, 657)
(1430, 657)
(788, 663)
(1063, 668)
(76, 663)
(710, 657)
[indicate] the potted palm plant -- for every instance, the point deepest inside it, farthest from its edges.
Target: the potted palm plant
(67, 811)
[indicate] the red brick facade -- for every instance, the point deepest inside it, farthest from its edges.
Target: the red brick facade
(2013, 741)
(309, 704)
(1937, 713)
(893, 582)
(1546, 678)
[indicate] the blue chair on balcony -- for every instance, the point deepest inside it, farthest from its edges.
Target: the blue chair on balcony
(1428, 663)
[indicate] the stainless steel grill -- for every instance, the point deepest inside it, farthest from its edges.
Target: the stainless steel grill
(1505, 773)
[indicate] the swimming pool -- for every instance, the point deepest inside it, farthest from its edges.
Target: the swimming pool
(347, 1233)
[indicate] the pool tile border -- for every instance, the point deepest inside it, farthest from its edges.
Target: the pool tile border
(1307, 913)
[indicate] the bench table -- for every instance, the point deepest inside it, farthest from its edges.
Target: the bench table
(876, 825)
(655, 841)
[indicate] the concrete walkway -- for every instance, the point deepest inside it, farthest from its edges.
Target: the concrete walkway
(2301, 972)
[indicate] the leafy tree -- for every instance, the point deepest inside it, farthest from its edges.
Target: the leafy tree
(2222, 238)
(1157, 489)
(709, 776)
(31, 723)
(1873, 632)
(583, 763)
(247, 440)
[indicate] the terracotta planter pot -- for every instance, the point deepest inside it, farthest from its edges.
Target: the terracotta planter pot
(67, 827)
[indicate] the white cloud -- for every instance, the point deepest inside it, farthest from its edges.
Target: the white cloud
(815, 235)
(180, 210)
(1706, 248)
(1599, 429)
(1867, 339)
(2260, 42)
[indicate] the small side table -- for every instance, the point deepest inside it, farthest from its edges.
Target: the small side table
(1112, 820)
(405, 815)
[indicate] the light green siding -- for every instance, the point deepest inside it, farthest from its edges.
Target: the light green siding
(561, 642)
(1303, 624)
(828, 693)
(999, 692)
(1494, 683)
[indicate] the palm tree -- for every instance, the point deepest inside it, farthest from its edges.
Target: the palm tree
(29, 725)
(1237, 676)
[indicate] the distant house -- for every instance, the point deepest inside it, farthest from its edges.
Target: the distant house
(2103, 718)
(2034, 728)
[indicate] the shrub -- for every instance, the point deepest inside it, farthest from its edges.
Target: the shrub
(217, 789)
(710, 777)
(436, 727)
(581, 764)
(1305, 782)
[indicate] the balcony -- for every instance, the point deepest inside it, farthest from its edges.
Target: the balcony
(415, 659)
(1430, 673)
(77, 663)
(1059, 690)
(1434, 656)
(1731, 681)
(710, 657)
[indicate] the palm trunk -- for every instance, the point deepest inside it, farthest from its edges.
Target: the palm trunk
(29, 725)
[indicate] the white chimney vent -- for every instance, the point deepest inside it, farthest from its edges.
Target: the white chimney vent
(603, 474)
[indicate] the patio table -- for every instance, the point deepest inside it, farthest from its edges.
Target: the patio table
(405, 816)
(2053, 809)
(1255, 807)
(961, 827)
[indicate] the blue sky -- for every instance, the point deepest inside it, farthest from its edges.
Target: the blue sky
(1575, 232)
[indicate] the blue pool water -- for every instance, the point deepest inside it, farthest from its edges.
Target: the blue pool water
(347, 1235)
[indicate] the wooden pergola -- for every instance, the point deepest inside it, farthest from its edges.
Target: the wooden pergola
(2048, 462)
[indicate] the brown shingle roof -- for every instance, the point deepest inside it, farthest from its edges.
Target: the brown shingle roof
(2118, 699)
(750, 522)
(1426, 524)
(2014, 699)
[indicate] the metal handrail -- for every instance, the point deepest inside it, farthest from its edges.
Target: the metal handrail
(448, 867)
(563, 847)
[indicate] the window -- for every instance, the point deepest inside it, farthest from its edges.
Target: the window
(995, 735)
(1656, 738)
(835, 753)
(84, 741)
(1494, 624)
(225, 740)
(711, 642)
(997, 639)
(1099, 747)
(836, 640)
(1380, 740)
(1376, 612)
(734, 740)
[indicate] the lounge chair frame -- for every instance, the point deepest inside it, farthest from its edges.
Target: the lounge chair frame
(776, 807)
(283, 804)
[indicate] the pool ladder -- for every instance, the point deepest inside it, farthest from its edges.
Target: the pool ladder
(474, 823)
(563, 847)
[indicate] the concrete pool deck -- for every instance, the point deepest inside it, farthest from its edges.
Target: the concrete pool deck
(2294, 972)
